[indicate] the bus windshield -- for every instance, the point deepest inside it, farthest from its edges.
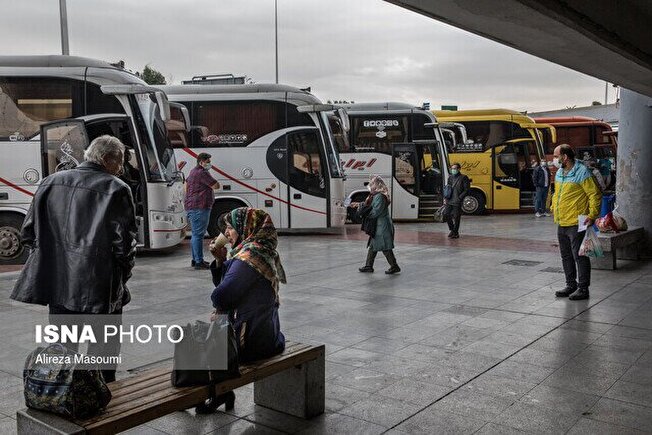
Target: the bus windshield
(161, 163)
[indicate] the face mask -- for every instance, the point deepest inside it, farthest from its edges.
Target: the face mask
(369, 188)
(455, 171)
(534, 165)
(556, 162)
(544, 163)
(207, 166)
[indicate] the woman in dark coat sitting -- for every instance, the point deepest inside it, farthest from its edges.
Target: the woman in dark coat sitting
(247, 285)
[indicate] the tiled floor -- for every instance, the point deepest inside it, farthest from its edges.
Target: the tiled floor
(459, 342)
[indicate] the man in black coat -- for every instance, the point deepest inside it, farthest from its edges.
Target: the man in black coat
(541, 180)
(459, 186)
(81, 229)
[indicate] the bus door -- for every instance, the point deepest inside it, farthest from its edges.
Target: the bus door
(308, 179)
(417, 180)
(513, 186)
(506, 177)
(63, 144)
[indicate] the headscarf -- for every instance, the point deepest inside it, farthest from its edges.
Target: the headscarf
(258, 242)
(377, 185)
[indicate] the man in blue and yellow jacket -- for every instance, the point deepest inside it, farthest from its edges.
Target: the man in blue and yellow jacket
(576, 194)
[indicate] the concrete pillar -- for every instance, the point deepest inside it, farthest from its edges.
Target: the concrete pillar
(634, 171)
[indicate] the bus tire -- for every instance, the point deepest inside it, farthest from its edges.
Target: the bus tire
(12, 250)
(220, 208)
(474, 203)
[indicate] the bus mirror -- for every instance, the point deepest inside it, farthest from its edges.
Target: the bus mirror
(344, 119)
(164, 106)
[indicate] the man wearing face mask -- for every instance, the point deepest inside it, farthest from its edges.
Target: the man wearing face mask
(458, 187)
(541, 179)
(576, 193)
(198, 204)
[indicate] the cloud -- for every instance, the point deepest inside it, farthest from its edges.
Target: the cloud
(362, 50)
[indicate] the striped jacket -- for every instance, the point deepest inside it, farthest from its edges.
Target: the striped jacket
(576, 193)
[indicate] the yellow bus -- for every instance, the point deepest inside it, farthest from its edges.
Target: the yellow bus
(497, 156)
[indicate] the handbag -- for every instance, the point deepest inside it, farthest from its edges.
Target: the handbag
(368, 223)
(442, 213)
(52, 382)
(205, 349)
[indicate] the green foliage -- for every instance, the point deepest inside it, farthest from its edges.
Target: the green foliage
(152, 76)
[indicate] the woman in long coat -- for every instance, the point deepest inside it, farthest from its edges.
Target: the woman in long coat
(383, 239)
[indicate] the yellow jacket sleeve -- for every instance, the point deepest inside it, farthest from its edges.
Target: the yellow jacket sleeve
(592, 190)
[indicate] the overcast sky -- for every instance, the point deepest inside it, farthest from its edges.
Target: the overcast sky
(360, 50)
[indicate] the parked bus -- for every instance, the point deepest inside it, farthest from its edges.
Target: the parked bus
(51, 107)
(272, 148)
(590, 138)
(496, 157)
(404, 145)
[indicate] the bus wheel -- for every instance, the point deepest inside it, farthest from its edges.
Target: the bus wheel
(473, 203)
(12, 250)
(220, 208)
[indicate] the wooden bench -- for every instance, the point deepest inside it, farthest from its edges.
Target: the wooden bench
(623, 245)
(292, 382)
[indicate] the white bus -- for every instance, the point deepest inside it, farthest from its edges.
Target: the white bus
(272, 148)
(51, 107)
(405, 146)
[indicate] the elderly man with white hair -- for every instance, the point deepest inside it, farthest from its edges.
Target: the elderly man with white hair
(81, 231)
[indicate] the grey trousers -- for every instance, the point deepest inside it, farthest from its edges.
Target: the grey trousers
(575, 266)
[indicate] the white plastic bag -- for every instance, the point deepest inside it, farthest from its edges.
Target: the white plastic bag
(591, 245)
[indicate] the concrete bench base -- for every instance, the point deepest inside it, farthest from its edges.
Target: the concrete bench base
(624, 245)
(299, 391)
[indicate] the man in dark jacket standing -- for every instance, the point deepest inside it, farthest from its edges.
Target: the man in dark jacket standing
(81, 230)
(541, 179)
(459, 186)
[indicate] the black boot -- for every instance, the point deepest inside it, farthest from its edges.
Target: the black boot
(369, 264)
(565, 292)
(393, 266)
(211, 405)
(579, 294)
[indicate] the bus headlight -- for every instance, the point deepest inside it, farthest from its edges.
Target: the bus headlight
(162, 217)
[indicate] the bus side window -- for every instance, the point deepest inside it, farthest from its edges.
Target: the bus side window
(28, 102)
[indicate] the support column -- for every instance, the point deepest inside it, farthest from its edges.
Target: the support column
(634, 171)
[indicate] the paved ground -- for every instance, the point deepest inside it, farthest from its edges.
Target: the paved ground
(459, 342)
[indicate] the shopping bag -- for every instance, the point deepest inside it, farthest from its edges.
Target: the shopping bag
(201, 350)
(591, 245)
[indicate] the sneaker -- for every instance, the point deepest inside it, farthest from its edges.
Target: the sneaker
(565, 292)
(538, 214)
(451, 234)
(201, 266)
(366, 269)
(579, 294)
(546, 214)
(455, 236)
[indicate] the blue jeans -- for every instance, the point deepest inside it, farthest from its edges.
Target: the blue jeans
(198, 219)
(540, 199)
